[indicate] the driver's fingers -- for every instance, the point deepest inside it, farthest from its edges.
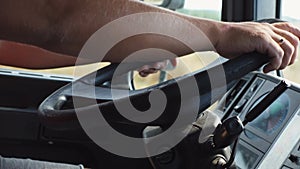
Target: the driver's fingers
(288, 27)
(288, 49)
(295, 55)
(291, 40)
(270, 47)
(285, 53)
(146, 70)
(288, 42)
(282, 60)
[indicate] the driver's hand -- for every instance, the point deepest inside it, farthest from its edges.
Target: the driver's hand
(279, 41)
(145, 70)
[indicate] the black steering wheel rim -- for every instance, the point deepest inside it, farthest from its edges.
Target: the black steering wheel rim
(65, 119)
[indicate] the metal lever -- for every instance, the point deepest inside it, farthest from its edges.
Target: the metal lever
(268, 100)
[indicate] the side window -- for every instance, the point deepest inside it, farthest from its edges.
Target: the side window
(154, 2)
(290, 12)
(203, 8)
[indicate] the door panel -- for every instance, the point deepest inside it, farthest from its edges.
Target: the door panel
(20, 97)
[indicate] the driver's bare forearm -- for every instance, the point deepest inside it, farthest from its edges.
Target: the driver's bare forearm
(64, 26)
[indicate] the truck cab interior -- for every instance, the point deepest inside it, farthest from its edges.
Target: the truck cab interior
(253, 118)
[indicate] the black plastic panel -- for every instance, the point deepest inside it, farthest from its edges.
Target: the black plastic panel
(20, 97)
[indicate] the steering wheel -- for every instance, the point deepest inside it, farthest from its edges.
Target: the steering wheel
(57, 111)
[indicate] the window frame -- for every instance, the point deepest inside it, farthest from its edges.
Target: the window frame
(239, 10)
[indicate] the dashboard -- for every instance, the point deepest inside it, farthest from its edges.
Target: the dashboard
(272, 139)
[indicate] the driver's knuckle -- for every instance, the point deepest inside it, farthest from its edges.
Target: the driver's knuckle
(295, 41)
(289, 50)
(266, 24)
(280, 55)
(277, 63)
(287, 24)
(261, 36)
